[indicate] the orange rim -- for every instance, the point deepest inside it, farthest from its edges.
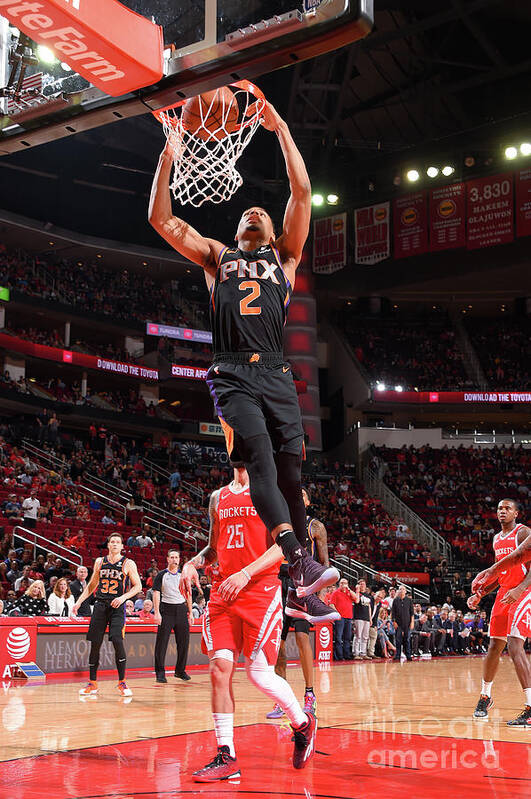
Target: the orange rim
(246, 85)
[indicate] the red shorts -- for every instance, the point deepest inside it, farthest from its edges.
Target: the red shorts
(499, 617)
(252, 623)
(519, 623)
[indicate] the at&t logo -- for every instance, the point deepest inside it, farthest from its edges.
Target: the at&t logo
(324, 637)
(18, 643)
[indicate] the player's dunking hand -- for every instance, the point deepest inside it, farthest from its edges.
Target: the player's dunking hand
(189, 575)
(270, 119)
(232, 585)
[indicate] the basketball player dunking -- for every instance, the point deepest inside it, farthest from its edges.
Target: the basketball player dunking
(510, 620)
(254, 395)
(244, 614)
(318, 548)
(109, 580)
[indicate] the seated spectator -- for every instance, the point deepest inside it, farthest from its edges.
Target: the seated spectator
(61, 601)
(24, 576)
(144, 540)
(33, 601)
(385, 633)
(147, 614)
(108, 518)
(198, 607)
(130, 608)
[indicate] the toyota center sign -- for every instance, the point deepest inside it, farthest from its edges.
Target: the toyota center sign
(18, 643)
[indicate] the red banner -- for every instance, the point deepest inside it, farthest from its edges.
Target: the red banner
(329, 244)
(490, 210)
(372, 234)
(323, 643)
(453, 397)
(411, 578)
(447, 217)
(410, 225)
(523, 203)
(111, 46)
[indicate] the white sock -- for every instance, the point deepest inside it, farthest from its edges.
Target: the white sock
(224, 727)
(486, 688)
(527, 692)
(276, 688)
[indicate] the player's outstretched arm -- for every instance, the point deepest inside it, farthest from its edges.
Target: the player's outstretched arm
(207, 555)
(521, 555)
(298, 210)
(231, 587)
(89, 588)
(178, 233)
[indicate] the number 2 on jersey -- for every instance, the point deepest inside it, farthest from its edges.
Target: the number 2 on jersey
(253, 295)
(235, 540)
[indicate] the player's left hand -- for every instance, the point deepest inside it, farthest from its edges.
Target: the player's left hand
(512, 596)
(480, 580)
(117, 602)
(231, 587)
(270, 119)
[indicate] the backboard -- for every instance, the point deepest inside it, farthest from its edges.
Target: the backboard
(204, 44)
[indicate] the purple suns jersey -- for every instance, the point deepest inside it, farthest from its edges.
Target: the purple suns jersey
(249, 301)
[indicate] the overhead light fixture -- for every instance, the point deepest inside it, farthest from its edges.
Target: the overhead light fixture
(398, 388)
(448, 170)
(65, 67)
(525, 148)
(317, 199)
(380, 386)
(144, 263)
(99, 255)
(470, 160)
(45, 54)
(412, 175)
(511, 153)
(397, 180)
(332, 199)
(432, 171)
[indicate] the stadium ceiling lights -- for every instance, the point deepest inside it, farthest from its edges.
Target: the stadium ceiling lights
(412, 175)
(317, 199)
(380, 386)
(46, 55)
(447, 171)
(511, 153)
(331, 199)
(432, 171)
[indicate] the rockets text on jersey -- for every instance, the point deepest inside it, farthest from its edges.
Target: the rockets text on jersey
(242, 537)
(112, 579)
(503, 545)
(249, 301)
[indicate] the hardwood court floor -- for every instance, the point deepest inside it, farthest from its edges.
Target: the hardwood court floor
(383, 727)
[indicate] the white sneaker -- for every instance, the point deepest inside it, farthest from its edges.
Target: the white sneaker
(90, 689)
(124, 690)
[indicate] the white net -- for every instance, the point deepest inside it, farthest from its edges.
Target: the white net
(207, 146)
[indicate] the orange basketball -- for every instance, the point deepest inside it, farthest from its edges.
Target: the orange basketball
(212, 115)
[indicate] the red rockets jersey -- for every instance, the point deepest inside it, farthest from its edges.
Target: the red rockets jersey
(504, 545)
(243, 537)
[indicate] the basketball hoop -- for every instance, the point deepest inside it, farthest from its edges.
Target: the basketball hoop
(205, 153)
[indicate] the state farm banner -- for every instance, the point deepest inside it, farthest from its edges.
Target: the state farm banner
(447, 217)
(410, 225)
(490, 211)
(329, 244)
(523, 203)
(371, 226)
(521, 397)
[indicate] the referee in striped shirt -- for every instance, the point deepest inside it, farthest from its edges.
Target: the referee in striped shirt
(172, 612)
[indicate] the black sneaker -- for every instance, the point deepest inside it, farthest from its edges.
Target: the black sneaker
(304, 738)
(223, 767)
(481, 713)
(309, 576)
(310, 608)
(161, 678)
(523, 720)
(183, 676)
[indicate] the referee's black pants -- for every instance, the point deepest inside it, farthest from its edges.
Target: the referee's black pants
(174, 617)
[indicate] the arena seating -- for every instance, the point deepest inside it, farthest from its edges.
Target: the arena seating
(504, 349)
(456, 490)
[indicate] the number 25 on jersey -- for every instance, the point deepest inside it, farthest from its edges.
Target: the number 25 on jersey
(235, 539)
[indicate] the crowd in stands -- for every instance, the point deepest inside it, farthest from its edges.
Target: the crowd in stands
(91, 287)
(414, 355)
(457, 489)
(54, 338)
(383, 621)
(504, 350)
